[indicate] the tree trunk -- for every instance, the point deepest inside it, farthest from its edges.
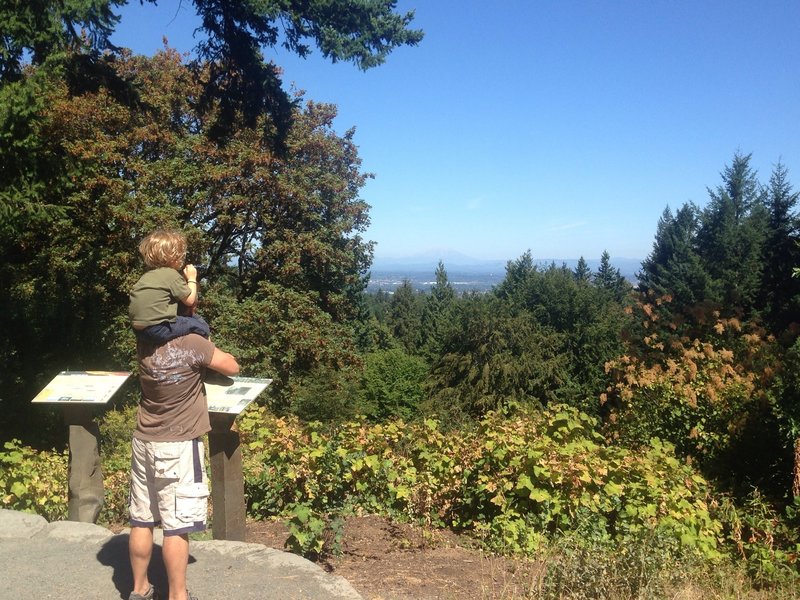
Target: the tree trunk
(796, 482)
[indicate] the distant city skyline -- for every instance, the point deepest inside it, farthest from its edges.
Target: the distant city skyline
(565, 128)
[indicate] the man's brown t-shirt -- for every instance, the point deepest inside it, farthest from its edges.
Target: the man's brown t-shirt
(173, 406)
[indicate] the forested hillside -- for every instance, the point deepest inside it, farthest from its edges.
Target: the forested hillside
(662, 418)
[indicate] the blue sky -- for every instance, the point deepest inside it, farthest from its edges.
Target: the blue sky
(562, 127)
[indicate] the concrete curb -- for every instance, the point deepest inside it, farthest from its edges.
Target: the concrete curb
(65, 559)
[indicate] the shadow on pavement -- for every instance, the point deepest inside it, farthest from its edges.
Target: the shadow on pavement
(114, 553)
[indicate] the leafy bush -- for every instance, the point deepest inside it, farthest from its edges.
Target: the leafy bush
(701, 394)
(311, 534)
(116, 427)
(647, 566)
(767, 542)
(33, 481)
(516, 480)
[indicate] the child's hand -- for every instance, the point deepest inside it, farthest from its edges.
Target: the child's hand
(190, 272)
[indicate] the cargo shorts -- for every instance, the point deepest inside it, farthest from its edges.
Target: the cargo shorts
(169, 486)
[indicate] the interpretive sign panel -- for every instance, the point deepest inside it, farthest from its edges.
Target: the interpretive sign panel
(82, 387)
(231, 395)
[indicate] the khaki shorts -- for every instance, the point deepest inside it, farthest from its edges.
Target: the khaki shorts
(168, 486)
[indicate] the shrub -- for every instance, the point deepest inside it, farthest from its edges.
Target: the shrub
(33, 481)
(516, 480)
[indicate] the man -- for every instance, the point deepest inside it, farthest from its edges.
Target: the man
(168, 479)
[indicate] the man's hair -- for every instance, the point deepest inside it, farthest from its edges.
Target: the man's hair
(163, 248)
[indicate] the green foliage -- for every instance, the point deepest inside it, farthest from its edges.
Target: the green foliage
(311, 534)
(326, 394)
(787, 400)
(116, 427)
(437, 314)
(674, 268)
(245, 87)
(648, 566)
(405, 316)
(46, 27)
(732, 234)
(284, 240)
(608, 278)
(392, 385)
(766, 542)
(238, 86)
(516, 481)
(540, 483)
(32, 481)
(779, 297)
(543, 336)
(492, 356)
(710, 397)
(280, 333)
(558, 476)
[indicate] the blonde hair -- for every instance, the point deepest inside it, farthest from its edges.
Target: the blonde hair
(163, 248)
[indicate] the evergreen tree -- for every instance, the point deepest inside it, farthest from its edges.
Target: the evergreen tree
(494, 355)
(609, 278)
(731, 236)
(436, 313)
(42, 28)
(586, 319)
(674, 268)
(582, 271)
(517, 272)
(780, 292)
(405, 317)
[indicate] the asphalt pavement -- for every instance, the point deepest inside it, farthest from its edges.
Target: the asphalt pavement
(67, 560)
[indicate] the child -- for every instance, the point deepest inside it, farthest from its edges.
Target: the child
(154, 299)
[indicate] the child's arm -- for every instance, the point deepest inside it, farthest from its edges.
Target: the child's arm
(190, 273)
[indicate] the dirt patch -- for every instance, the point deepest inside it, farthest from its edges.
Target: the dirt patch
(394, 561)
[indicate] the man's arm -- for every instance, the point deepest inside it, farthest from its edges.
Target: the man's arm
(223, 363)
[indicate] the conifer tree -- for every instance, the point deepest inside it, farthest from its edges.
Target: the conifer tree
(239, 86)
(436, 313)
(609, 277)
(780, 292)
(674, 268)
(582, 271)
(731, 236)
(517, 272)
(405, 317)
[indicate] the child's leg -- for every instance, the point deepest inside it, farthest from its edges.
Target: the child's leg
(194, 324)
(158, 334)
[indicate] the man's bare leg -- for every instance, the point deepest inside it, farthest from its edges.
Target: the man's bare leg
(140, 549)
(176, 560)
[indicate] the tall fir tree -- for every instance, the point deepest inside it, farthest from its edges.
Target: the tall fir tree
(582, 273)
(780, 292)
(436, 313)
(731, 237)
(609, 277)
(405, 316)
(673, 268)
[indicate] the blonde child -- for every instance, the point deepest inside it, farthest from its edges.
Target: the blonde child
(155, 298)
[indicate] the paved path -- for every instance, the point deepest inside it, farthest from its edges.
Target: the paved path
(65, 560)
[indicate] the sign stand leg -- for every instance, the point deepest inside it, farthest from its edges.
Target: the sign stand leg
(85, 472)
(227, 479)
